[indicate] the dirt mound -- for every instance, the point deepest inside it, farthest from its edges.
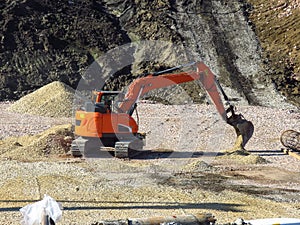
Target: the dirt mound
(52, 100)
(198, 166)
(240, 157)
(53, 141)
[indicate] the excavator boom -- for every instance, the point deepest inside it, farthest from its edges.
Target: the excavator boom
(141, 86)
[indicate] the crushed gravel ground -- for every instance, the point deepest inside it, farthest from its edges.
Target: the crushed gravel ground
(19, 124)
(179, 172)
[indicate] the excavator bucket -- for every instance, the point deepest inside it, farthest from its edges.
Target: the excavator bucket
(244, 130)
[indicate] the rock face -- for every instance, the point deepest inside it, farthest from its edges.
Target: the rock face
(43, 41)
(277, 26)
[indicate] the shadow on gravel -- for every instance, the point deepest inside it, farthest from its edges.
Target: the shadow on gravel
(152, 154)
(268, 152)
(132, 205)
(10, 209)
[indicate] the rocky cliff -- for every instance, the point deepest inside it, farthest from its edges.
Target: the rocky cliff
(42, 41)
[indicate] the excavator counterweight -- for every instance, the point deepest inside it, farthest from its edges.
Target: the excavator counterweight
(107, 121)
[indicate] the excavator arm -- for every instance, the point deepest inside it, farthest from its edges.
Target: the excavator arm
(143, 85)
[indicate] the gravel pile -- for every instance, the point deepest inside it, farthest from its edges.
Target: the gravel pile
(52, 100)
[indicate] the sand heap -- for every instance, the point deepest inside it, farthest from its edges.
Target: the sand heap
(54, 141)
(52, 100)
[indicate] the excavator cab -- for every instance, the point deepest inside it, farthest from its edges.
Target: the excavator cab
(104, 101)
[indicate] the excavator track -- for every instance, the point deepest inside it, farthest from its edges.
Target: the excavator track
(87, 147)
(122, 149)
(93, 148)
(126, 148)
(77, 147)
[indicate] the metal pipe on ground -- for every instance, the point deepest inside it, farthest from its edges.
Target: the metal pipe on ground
(195, 219)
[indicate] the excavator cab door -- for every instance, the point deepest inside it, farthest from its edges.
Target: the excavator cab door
(104, 100)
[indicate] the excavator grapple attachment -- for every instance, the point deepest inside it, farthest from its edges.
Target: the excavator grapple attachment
(243, 128)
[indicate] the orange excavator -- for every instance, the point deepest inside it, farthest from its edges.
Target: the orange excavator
(107, 120)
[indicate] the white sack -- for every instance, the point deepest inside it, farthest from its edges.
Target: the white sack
(32, 213)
